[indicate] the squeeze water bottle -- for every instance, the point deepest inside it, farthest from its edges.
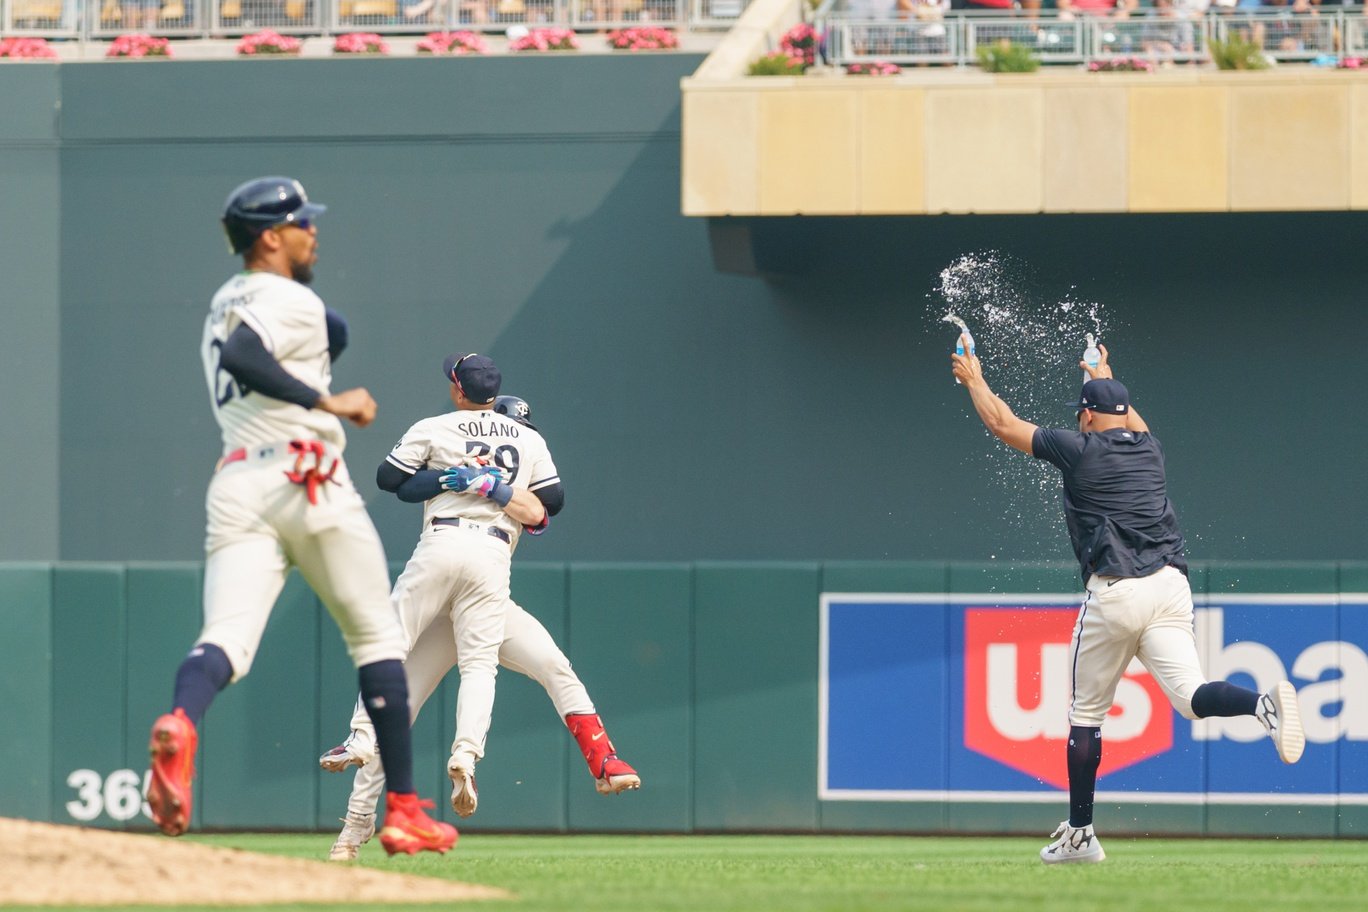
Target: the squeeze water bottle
(1091, 356)
(959, 344)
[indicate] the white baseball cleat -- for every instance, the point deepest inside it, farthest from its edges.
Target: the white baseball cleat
(1280, 716)
(357, 750)
(464, 797)
(1073, 844)
(357, 829)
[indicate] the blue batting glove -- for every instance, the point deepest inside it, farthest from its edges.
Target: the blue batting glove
(458, 478)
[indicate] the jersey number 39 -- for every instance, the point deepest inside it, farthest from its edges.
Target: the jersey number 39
(505, 456)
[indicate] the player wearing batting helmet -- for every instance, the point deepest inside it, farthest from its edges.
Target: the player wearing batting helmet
(281, 496)
(457, 581)
(1125, 535)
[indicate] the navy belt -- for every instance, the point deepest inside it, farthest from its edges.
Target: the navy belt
(495, 531)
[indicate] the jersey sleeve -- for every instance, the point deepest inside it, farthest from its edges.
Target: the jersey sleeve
(1057, 446)
(287, 322)
(541, 471)
(413, 450)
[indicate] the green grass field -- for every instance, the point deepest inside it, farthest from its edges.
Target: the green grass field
(870, 874)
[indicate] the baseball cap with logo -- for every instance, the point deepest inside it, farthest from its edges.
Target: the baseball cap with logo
(1107, 396)
(476, 375)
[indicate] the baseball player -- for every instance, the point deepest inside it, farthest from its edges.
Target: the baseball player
(1125, 535)
(280, 497)
(426, 587)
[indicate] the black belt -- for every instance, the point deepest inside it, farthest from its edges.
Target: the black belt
(495, 531)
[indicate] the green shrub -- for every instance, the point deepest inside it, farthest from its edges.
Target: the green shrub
(1237, 54)
(1007, 57)
(777, 64)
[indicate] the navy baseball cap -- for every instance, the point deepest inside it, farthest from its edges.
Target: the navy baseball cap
(476, 375)
(1107, 396)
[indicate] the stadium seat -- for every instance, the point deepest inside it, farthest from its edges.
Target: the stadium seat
(110, 12)
(30, 10)
(172, 10)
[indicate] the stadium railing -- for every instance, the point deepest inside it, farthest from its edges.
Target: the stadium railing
(103, 19)
(1060, 39)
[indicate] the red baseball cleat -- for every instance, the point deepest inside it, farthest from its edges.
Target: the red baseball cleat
(172, 748)
(611, 775)
(407, 829)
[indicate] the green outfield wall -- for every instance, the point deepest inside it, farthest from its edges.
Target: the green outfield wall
(710, 676)
(725, 389)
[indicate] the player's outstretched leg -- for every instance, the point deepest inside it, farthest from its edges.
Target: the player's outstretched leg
(1072, 844)
(172, 749)
(407, 829)
(357, 829)
(357, 750)
(1280, 717)
(611, 775)
(464, 797)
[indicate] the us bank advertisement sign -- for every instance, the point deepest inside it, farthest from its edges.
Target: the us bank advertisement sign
(965, 697)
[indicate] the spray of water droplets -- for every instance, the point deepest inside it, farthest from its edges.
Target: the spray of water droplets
(1030, 342)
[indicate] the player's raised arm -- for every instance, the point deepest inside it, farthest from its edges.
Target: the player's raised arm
(996, 415)
(1103, 371)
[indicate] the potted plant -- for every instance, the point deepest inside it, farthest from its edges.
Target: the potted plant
(360, 43)
(26, 49)
(1236, 53)
(642, 38)
(777, 63)
(873, 68)
(542, 40)
(267, 42)
(136, 44)
(1122, 65)
(1007, 57)
(454, 43)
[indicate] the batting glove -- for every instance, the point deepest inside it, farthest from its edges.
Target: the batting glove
(484, 482)
(458, 478)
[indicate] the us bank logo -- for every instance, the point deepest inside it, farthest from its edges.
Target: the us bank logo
(934, 697)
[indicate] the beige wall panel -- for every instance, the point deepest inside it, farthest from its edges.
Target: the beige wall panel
(892, 135)
(809, 152)
(1358, 147)
(720, 153)
(985, 149)
(1085, 150)
(1289, 147)
(1179, 154)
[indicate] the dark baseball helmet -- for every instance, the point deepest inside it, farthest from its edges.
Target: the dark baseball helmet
(264, 203)
(515, 408)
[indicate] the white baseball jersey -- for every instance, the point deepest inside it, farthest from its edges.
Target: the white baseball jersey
(290, 320)
(452, 439)
(259, 523)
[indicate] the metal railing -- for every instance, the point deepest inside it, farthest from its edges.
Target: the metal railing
(103, 19)
(1152, 34)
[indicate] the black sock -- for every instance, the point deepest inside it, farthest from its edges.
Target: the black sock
(205, 671)
(384, 691)
(1221, 698)
(1085, 753)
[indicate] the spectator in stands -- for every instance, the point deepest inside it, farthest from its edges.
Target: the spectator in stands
(1116, 9)
(140, 15)
(929, 36)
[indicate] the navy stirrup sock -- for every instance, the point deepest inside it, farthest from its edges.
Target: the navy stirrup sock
(1221, 698)
(205, 671)
(1085, 753)
(384, 691)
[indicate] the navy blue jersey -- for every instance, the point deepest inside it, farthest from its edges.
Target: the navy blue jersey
(1116, 504)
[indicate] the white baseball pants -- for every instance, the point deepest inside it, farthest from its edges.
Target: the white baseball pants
(259, 525)
(1123, 618)
(527, 649)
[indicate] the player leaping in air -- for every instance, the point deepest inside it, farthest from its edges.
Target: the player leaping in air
(453, 596)
(281, 496)
(1125, 535)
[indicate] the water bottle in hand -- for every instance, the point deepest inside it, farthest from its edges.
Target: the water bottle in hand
(1091, 356)
(959, 345)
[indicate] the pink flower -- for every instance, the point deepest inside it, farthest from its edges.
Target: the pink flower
(26, 48)
(360, 43)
